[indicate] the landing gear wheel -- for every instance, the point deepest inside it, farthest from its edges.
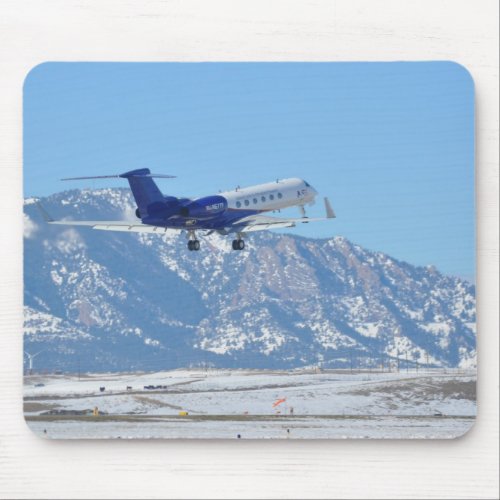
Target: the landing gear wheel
(193, 245)
(238, 244)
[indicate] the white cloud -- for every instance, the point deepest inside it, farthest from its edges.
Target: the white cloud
(29, 227)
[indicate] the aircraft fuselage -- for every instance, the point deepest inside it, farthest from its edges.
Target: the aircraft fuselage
(226, 208)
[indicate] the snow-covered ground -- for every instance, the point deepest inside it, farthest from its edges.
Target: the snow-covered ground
(273, 428)
(224, 403)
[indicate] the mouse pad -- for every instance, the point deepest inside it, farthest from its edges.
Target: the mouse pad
(249, 250)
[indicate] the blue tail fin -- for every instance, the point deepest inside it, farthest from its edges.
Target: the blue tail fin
(146, 193)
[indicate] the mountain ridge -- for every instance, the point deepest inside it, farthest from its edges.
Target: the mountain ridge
(114, 301)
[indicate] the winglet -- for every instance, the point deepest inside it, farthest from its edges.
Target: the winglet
(44, 213)
(330, 214)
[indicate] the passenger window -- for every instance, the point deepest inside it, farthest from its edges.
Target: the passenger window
(271, 196)
(263, 198)
(280, 196)
(247, 203)
(238, 204)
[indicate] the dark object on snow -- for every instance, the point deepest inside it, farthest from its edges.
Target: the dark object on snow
(152, 387)
(72, 412)
(102, 389)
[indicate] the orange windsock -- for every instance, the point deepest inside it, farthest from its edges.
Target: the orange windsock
(278, 402)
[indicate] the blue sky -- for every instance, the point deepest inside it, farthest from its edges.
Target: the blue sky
(391, 144)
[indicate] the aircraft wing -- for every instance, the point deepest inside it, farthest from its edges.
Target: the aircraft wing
(114, 225)
(245, 225)
(105, 225)
(263, 222)
(125, 226)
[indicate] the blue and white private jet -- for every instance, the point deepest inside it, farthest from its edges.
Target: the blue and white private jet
(238, 212)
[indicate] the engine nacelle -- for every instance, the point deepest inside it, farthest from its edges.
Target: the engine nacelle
(204, 208)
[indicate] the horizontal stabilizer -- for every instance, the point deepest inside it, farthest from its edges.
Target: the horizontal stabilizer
(158, 176)
(93, 177)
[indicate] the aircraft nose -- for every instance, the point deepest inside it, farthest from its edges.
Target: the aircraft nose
(311, 192)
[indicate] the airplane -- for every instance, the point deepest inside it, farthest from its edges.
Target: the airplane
(238, 212)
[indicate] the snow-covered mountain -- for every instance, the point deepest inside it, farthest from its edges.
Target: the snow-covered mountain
(114, 301)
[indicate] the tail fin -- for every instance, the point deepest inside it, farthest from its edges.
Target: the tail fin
(146, 193)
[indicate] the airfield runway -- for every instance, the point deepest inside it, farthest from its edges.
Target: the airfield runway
(214, 404)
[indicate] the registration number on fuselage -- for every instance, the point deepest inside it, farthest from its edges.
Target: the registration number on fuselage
(215, 206)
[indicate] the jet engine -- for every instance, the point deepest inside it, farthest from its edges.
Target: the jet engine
(204, 208)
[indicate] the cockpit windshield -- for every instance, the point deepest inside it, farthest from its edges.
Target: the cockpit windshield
(307, 184)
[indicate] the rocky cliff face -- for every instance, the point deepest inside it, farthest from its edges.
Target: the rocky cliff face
(113, 301)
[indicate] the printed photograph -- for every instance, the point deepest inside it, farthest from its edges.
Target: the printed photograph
(249, 250)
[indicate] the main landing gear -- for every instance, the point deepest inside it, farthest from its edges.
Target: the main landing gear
(194, 245)
(238, 244)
